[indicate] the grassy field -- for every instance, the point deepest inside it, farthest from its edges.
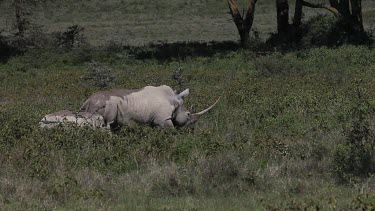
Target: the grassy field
(294, 130)
(139, 22)
(275, 140)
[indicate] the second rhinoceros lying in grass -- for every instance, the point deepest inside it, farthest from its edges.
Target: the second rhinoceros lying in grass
(65, 117)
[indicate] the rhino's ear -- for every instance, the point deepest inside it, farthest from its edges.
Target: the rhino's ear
(183, 94)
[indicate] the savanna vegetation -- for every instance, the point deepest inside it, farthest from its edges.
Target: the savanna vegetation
(294, 129)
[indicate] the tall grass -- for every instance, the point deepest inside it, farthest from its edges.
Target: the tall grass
(274, 141)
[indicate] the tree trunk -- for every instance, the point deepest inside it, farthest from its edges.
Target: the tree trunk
(243, 24)
(245, 38)
(20, 17)
(297, 14)
(282, 7)
(344, 8)
(357, 23)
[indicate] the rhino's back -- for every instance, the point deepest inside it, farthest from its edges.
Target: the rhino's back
(96, 102)
(143, 106)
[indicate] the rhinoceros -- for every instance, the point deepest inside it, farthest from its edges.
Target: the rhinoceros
(64, 117)
(156, 106)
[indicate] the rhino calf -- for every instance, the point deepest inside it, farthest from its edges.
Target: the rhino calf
(65, 117)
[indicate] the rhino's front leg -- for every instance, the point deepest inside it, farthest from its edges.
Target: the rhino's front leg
(168, 124)
(164, 123)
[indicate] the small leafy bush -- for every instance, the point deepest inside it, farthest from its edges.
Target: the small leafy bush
(327, 30)
(364, 202)
(320, 30)
(357, 156)
(177, 76)
(72, 37)
(102, 75)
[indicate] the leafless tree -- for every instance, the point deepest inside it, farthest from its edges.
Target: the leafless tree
(243, 22)
(23, 9)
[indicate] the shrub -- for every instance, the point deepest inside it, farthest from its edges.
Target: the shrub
(364, 202)
(320, 30)
(7, 50)
(99, 73)
(357, 156)
(326, 30)
(72, 37)
(177, 76)
(34, 38)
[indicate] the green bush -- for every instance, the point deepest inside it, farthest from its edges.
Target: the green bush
(364, 202)
(357, 156)
(320, 30)
(99, 73)
(327, 30)
(73, 36)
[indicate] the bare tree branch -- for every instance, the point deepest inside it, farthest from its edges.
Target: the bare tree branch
(249, 18)
(329, 8)
(245, 23)
(334, 3)
(282, 8)
(237, 18)
(298, 13)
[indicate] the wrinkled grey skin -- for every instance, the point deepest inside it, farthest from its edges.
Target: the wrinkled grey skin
(156, 106)
(97, 101)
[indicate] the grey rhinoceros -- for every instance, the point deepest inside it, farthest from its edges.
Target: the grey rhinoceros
(157, 106)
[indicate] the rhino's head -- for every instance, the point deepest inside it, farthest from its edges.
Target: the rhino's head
(184, 117)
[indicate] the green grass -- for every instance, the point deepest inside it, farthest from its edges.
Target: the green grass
(270, 143)
(138, 22)
(289, 133)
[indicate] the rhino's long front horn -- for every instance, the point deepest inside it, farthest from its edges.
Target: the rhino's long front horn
(196, 116)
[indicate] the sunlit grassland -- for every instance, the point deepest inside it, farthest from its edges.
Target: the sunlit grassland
(271, 142)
